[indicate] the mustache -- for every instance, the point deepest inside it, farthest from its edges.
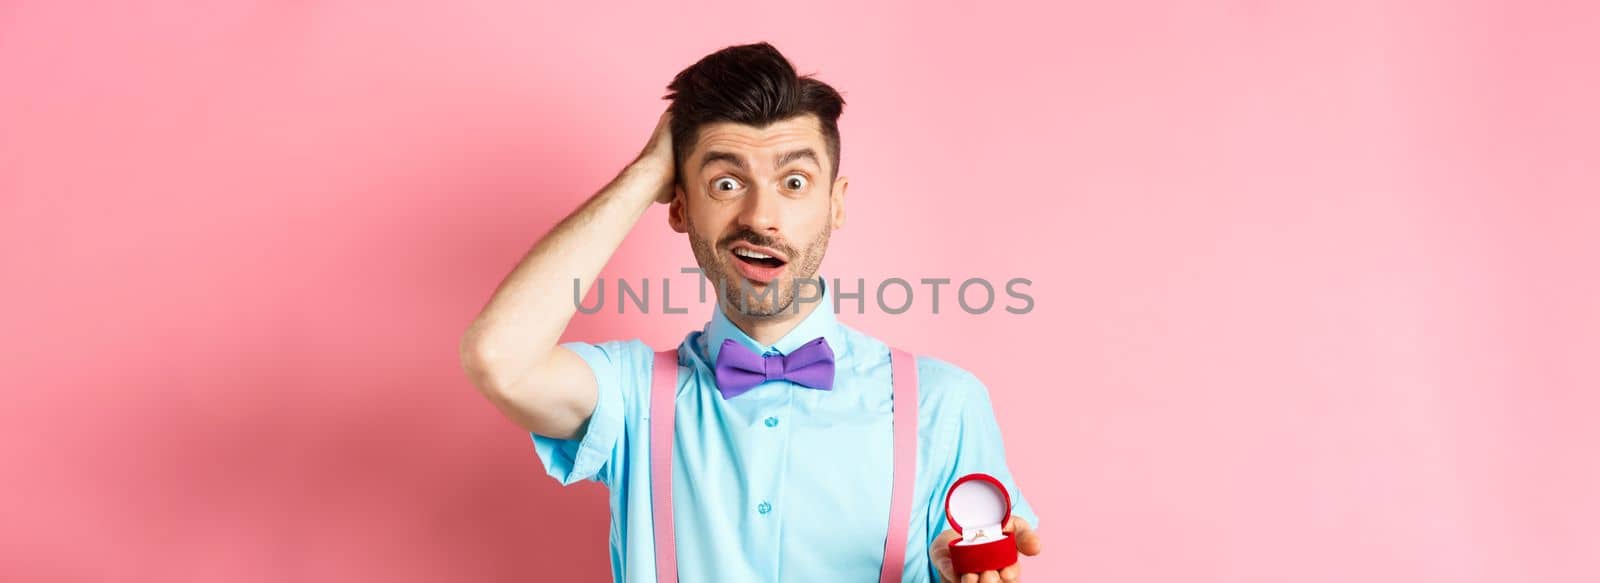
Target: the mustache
(758, 239)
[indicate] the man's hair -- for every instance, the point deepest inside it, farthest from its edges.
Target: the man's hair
(748, 84)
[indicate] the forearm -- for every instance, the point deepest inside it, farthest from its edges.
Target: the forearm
(524, 320)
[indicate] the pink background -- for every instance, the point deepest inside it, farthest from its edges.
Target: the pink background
(1316, 286)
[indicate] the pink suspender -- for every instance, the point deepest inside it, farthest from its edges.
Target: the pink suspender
(663, 389)
(904, 370)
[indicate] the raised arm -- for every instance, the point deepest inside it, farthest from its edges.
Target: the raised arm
(511, 350)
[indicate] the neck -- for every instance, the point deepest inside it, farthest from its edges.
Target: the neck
(766, 330)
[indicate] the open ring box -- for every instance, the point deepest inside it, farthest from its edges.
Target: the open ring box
(978, 506)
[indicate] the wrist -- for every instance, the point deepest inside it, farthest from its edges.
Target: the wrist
(643, 181)
(659, 167)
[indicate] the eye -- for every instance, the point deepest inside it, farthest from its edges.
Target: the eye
(724, 184)
(795, 182)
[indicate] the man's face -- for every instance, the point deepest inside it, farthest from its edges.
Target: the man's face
(758, 206)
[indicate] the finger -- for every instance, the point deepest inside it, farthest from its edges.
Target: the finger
(990, 577)
(1028, 543)
(1027, 539)
(1011, 574)
(969, 578)
(1016, 524)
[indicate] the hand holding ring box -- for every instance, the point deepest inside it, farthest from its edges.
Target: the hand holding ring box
(978, 507)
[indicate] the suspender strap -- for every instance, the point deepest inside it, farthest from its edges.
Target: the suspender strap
(663, 389)
(903, 368)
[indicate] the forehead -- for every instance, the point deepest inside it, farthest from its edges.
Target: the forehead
(760, 145)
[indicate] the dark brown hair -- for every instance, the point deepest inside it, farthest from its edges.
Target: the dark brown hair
(748, 84)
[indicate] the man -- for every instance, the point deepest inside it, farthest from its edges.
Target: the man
(777, 479)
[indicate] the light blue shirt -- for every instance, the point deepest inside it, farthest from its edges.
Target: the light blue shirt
(784, 482)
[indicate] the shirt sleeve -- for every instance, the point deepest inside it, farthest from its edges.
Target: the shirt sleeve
(587, 455)
(978, 448)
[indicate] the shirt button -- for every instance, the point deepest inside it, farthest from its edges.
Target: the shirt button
(772, 422)
(764, 508)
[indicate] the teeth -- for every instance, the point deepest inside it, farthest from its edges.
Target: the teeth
(751, 254)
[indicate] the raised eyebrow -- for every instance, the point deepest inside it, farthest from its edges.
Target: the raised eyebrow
(716, 155)
(804, 153)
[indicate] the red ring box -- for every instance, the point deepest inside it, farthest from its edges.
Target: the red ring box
(981, 503)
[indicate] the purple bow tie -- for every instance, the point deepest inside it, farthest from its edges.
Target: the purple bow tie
(739, 369)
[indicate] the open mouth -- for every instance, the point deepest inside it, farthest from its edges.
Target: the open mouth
(762, 265)
(757, 258)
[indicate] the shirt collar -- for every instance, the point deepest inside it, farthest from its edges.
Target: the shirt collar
(820, 322)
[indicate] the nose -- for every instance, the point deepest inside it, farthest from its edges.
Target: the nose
(760, 212)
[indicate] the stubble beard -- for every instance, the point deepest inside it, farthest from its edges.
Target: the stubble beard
(739, 293)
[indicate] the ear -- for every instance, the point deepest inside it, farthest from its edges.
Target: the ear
(840, 185)
(675, 211)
